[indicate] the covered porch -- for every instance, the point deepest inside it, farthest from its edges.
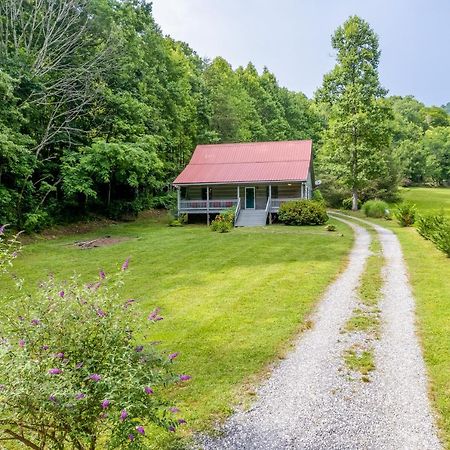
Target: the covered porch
(213, 199)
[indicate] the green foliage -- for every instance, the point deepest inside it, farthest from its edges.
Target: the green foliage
(88, 381)
(317, 196)
(356, 143)
(330, 227)
(436, 228)
(375, 208)
(224, 222)
(302, 212)
(347, 203)
(406, 214)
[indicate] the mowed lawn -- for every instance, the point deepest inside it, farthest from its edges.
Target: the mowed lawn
(428, 200)
(231, 302)
(429, 271)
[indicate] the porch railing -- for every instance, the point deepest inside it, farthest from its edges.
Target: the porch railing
(238, 210)
(212, 205)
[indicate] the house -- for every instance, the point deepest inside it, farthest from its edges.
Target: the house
(255, 178)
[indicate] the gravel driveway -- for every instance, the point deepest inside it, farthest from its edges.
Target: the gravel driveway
(310, 403)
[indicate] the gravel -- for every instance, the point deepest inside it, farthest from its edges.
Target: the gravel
(310, 402)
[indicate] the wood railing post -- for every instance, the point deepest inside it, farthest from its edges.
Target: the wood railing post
(207, 205)
(178, 200)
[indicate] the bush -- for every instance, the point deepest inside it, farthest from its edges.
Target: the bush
(375, 208)
(181, 221)
(35, 222)
(435, 228)
(330, 227)
(406, 214)
(302, 212)
(224, 222)
(69, 363)
(347, 203)
(317, 196)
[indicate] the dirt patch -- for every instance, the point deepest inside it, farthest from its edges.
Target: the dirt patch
(99, 242)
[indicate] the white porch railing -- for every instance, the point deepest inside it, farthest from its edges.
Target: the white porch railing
(212, 205)
(237, 211)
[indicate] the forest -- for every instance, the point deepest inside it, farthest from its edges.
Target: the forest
(99, 111)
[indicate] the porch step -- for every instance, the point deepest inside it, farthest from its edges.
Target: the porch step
(251, 218)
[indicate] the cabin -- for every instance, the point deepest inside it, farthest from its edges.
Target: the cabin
(255, 178)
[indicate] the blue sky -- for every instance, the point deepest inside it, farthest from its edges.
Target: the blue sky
(292, 38)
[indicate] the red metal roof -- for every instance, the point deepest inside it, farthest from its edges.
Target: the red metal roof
(248, 162)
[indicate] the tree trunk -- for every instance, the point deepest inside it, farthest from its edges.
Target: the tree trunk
(354, 200)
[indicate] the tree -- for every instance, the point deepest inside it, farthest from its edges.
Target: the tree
(356, 143)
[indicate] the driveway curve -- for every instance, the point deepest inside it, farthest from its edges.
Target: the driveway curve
(309, 402)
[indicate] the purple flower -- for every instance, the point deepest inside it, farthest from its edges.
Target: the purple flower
(172, 356)
(35, 322)
(45, 347)
(80, 396)
(129, 302)
(52, 398)
(154, 315)
(105, 404)
(140, 429)
(181, 421)
(174, 410)
(79, 365)
(102, 275)
(101, 313)
(185, 377)
(95, 377)
(2, 229)
(59, 355)
(55, 371)
(139, 348)
(131, 437)
(123, 415)
(61, 294)
(148, 390)
(21, 343)
(125, 264)
(171, 429)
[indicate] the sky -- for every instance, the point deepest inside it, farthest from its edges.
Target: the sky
(293, 38)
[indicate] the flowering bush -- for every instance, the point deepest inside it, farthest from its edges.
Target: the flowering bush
(71, 373)
(224, 221)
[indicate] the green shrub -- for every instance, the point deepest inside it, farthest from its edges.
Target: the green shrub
(317, 196)
(375, 208)
(435, 228)
(224, 222)
(69, 363)
(330, 227)
(406, 214)
(35, 222)
(347, 203)
(302, 212)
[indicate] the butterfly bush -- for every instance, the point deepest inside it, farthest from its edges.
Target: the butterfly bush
(71, 377)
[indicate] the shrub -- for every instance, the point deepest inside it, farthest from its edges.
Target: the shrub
(406, 214)
(317, 196)
(347, 203)
(181, 221)
(69, 363)
(375, 208)
(35, 222)
(330, 227)
(223, 223)
(302, 212)
(436, 228)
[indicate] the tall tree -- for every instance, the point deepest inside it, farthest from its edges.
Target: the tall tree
(356, 143)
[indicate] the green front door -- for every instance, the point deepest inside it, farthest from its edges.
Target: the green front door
(249, 198)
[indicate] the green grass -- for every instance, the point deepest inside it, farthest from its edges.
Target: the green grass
(231, 302)
(428, 200)
(362, 361)
(362, 321)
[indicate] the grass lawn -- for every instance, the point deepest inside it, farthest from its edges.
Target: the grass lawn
(231, 302)
(428, 200)
(429, 271)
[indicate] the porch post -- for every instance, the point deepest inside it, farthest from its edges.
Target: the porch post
(238, 193)
(178, 199)
(270, 204)
(207, 205)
